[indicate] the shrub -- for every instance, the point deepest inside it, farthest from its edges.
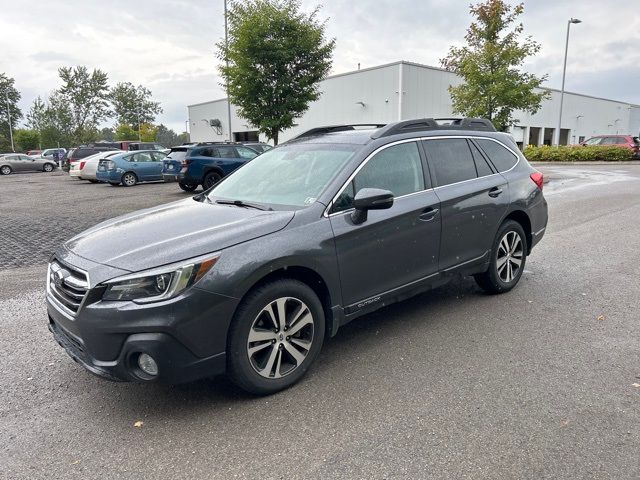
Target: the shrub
(577, 153)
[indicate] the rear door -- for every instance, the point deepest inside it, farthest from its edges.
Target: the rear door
(157, 158)
(473, 196)
(393, 248)
(143, 166)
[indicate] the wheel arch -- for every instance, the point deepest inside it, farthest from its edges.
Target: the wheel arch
(309, 277)
(523, 219)
(212, 168)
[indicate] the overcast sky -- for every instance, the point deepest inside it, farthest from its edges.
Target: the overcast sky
(168, 45)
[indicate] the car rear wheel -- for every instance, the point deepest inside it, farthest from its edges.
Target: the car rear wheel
(508, 257)
(187, 187)
(5, 170)
(275, 336)
(211, 179)
(47, 167)
(129, 179)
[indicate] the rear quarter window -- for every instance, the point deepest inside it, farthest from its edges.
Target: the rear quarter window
(502, 158)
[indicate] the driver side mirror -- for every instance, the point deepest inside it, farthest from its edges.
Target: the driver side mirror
(370, 199)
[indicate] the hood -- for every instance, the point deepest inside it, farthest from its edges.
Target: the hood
(173, 232)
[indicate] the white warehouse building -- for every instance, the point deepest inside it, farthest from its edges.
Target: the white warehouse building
(371, 96)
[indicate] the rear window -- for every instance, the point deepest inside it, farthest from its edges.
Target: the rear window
(501, 158)
(177, 154)
(83, 152)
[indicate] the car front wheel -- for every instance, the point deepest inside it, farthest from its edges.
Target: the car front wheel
(5, 170)
(508, 257)
(275, 336)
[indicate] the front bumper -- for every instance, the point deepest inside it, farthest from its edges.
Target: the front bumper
(176, 364)
(185, 335)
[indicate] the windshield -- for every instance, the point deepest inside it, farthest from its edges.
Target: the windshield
(293, 175)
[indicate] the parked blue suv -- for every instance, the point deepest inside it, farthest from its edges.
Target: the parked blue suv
(131, 168)
(204, 164)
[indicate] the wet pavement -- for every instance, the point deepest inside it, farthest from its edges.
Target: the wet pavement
(539, 383)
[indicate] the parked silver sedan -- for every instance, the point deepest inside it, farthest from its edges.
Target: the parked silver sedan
(17, 162)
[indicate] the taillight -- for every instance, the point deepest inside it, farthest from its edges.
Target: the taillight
(186, 162)
(111, 165)
(538, 179)
(82, 165)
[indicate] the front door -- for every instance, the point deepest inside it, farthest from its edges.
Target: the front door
(393, 247)
(143, 166)
(473, 199)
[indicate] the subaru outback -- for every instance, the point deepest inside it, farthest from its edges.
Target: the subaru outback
(252, 276)
(204, 164)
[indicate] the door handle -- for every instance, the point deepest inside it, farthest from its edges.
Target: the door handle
(429, 214)
(495, 191)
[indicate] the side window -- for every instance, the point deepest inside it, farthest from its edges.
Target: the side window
(227, 152)
(621, 140)
(397, 169)
(244, 152)
(482, 166)
(142, 157)
(501, 158)
(208, 152)
(451, 160)
(158, 156)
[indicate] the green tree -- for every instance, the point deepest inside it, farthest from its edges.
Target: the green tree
(37, 117)
(275, 58)
(8, 91)
(57, 128)
(490, 65)
(87, 96)
(133, 105)
(27, 139)
(148, 132)
(107, 134)
(126, 132)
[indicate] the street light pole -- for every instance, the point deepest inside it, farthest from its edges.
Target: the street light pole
(6, 94)
(564, 72)
(226, 45)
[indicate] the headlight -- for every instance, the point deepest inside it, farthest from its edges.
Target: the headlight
(159, 284)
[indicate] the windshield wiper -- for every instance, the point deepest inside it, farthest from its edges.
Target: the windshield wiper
(241, 203)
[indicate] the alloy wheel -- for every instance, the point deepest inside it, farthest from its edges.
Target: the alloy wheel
(280, 337)
(510, 255)
(5, 170)
(129, 179)
(48, 168)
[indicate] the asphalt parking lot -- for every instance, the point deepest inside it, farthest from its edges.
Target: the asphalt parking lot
(539, 383)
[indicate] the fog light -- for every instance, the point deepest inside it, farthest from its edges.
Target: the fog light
(147, 364)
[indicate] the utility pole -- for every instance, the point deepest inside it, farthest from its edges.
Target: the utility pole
(6, 95)
(226, 86)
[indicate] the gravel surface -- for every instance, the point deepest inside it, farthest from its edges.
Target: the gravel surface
(539, 383)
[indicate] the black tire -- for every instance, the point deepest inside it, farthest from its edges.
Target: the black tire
(210, 179)
(129, 179)
(48, 168)
(242, 369)
(495, 279)
(114, 184)
(92, 181)
(187, 187)
(5, 170)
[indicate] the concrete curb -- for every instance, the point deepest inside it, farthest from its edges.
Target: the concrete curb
(542, 164)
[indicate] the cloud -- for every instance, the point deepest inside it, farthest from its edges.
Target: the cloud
(169, 45)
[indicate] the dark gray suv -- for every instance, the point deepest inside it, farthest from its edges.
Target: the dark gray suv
(250, 277)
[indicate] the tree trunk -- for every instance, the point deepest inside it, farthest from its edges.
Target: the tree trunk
(275, 138)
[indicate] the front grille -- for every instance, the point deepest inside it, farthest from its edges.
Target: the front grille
(67, 286)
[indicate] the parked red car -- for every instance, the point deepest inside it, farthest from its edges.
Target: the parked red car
(632, 143)
(34, 152)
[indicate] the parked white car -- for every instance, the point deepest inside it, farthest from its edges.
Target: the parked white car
(85, 168)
